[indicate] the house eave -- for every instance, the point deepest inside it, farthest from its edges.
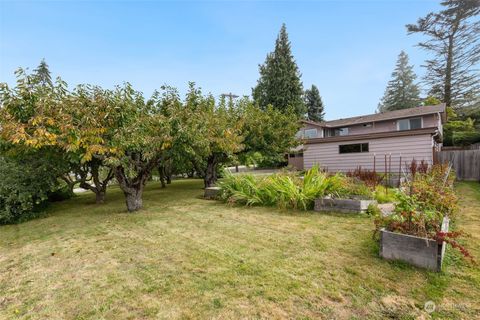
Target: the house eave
(377, 135)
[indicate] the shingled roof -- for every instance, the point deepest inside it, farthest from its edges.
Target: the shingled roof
(397, 114)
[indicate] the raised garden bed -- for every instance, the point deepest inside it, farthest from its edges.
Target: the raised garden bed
(212, 192)
(418, 251)
(343, 205)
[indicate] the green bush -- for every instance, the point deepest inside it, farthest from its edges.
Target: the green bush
(353, 188)
(24, 189)
(373, 210)
(61, 193)
(383, 195)
(435, 191)
(287, 189)
(421, 206)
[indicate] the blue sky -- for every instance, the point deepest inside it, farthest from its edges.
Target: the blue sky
(347, 48)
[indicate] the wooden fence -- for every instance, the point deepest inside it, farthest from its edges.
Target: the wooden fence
(466, 163)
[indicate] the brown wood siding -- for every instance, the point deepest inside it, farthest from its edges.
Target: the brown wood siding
(296, 162)
(409, 147)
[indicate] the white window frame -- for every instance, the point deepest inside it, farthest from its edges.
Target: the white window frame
(409, 127)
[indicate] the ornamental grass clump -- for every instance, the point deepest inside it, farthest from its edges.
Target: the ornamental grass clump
(285, 189)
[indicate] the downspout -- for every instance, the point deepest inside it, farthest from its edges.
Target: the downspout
(440, 125)
(434, 157)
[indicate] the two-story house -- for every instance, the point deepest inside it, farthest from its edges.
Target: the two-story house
(345, 144)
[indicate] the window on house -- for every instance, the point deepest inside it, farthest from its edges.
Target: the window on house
(343, 131)
(409, 124)
(311, 133)
(296, 155)
(353, 148)
(337, 132)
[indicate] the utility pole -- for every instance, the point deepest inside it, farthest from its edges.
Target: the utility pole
(230, 95)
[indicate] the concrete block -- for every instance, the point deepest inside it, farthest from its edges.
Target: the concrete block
(212, 192)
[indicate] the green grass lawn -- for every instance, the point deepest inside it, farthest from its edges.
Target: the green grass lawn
(189, 258)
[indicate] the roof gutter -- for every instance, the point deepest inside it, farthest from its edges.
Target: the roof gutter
(377, 135)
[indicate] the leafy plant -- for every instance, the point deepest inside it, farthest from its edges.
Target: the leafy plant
(352, 188)
(284, 190)
(370, 177)
(384, 195)
(24, 189)
(373, 210)
(434, 190)
(423, 204)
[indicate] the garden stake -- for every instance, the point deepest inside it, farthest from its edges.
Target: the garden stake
(385, 173)
(399, 170)
(390, 169)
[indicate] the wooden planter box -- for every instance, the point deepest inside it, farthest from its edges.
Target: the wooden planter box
(212, 192)
(342, 205)
(420, 252)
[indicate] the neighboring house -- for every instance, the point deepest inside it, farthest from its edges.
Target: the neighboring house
(345, 144)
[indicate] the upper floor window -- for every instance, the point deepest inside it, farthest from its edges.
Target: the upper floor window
(311, 133)
(336, 132)
(409, 124)
(342, 131)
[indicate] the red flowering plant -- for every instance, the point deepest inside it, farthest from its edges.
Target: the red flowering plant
(370, 177)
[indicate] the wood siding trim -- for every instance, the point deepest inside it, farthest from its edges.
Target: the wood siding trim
(370, 136)
(418, 147)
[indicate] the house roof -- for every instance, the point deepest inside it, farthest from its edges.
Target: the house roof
(397, 114)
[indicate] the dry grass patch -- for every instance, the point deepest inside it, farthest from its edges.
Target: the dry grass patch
(187, 258)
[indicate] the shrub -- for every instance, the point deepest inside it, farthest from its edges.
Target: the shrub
(423, 204)
(352, 188)
(24, 189)
(384, 195)
(284, 190)
(434, 190)
(61, 193)
(370, 177)
(373, 210)
(414, 167)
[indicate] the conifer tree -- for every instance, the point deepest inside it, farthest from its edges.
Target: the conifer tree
(279, 83)
(314, 104)
(42, 72)
(453, 40)
(402, 92)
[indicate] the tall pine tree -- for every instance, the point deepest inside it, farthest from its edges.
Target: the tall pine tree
(401, 91)
(453, 40)
(314, 104)
(42, 73)
(279, 83)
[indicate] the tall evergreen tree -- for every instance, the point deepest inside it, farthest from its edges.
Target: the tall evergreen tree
(314, 104)
(401, 91)
(42, 72)
(279, 83)
(453, 40)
